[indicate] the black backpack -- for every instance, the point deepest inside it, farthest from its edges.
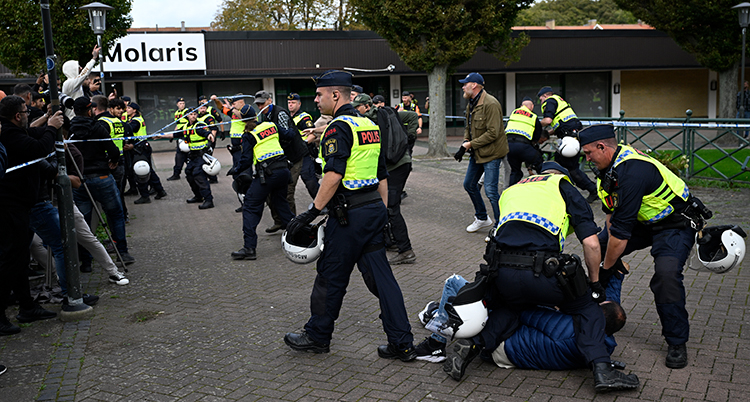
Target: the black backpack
(393, 137)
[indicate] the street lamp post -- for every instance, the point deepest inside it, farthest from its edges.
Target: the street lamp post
(743, 10)
(98, 21)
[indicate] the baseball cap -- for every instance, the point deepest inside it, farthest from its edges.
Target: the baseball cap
(82, 103)
(378, 99)
(473, 77)
(362, 99)
(262, 96)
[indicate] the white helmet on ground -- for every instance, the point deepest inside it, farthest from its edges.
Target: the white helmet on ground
(183, 146)
(212, 165)
(306, 245)
(720, 248)
(569, 147)
(142, 171)
(467, 314)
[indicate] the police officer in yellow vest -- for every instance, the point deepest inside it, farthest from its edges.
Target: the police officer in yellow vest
(355, 188)
(179, 157)
(303, 121)
(261, 147)
(232, 108)
(116, 130)
(524, 131)
(526, 265)
(560, 117)
(647, 206)
(208, 118)
(142, 150)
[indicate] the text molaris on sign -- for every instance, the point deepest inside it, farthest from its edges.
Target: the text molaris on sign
(154, 54)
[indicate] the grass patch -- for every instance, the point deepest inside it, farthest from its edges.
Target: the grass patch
(726, 165)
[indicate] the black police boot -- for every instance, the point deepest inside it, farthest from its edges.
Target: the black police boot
(161, 195)
(143, 200)
(676, 356)
(405, 353)
(6, 328)
(34, 313)
(244, 254)
(206, 204)
(173, 177)
(194, 200)
(606, 378)
(304, 343)
(466, 350)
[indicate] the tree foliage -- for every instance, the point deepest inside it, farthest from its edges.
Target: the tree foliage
(574, 12)
(284, 15)
(22, 39)
(430, 33)
(707, 29)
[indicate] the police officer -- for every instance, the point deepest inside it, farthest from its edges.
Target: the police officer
(197, 136)
(407, 103)
(114, 126)
(142, 151)
(179, 157)
(261, 147)
(354, 188)
(647, 206)
(232, 108)
(526, 268)
(303, 121)
(208, 119)
(559, 115)
(524, 130)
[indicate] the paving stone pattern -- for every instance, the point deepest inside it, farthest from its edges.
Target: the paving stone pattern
(194, 325)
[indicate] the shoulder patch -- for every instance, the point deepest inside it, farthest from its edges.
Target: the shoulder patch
(330, 147)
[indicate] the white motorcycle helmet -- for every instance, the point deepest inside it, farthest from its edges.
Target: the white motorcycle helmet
(142, 171)
(467, 313)
(720, 248)
(305, 246)
(569, 147)
(212, 167)
(184, 147)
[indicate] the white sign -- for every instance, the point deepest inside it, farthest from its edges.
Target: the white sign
(157, 52)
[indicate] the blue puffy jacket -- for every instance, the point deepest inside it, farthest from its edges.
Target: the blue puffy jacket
(546, 341)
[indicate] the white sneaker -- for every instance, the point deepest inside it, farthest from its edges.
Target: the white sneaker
(119, 279)
(479, 224)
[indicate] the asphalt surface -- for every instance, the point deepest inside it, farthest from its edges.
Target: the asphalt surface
(194, 325)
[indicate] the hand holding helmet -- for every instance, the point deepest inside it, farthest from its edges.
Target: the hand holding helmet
(302, 220)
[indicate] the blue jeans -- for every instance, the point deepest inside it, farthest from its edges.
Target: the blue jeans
(104, 190)
(746, 116)
(453, 284)
(491, 172)
(44, 220)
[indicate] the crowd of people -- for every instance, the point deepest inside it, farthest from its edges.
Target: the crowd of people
(354, 162)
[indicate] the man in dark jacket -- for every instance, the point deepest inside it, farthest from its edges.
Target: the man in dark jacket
(294, 148)
(18, 192)
(99, 157)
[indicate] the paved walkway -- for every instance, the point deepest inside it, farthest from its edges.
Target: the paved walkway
(194, 325)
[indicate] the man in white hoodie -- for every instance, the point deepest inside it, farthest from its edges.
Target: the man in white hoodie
(76, 76)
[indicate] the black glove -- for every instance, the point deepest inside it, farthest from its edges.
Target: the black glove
(459, 156)
(302, 220)
(597, 292)
(223, 135)
(605, 275)
(231, 171)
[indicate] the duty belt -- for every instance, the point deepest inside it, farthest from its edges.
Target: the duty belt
(518, 138)
(354, 200)
(540, 262)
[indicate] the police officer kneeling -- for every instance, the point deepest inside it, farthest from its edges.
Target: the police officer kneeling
(527, 268)
(261, 146)
(355, 189)
(647, 206)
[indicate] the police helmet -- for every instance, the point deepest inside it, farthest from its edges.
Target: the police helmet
(212, 166)
(569, 147)
(305, 245)
(142, 171)
(467, 313)
(184, 147)
(720, 248)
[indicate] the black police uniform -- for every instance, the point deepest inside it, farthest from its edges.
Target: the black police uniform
(307, 173)
(196, 176)
(142, 151)
(274, 189)
(669, 247)
(517, 289)
(567, 128)
(521, 150)
(360, 242)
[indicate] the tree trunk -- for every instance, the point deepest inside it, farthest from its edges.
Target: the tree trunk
(436, 80)
(728, 89)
